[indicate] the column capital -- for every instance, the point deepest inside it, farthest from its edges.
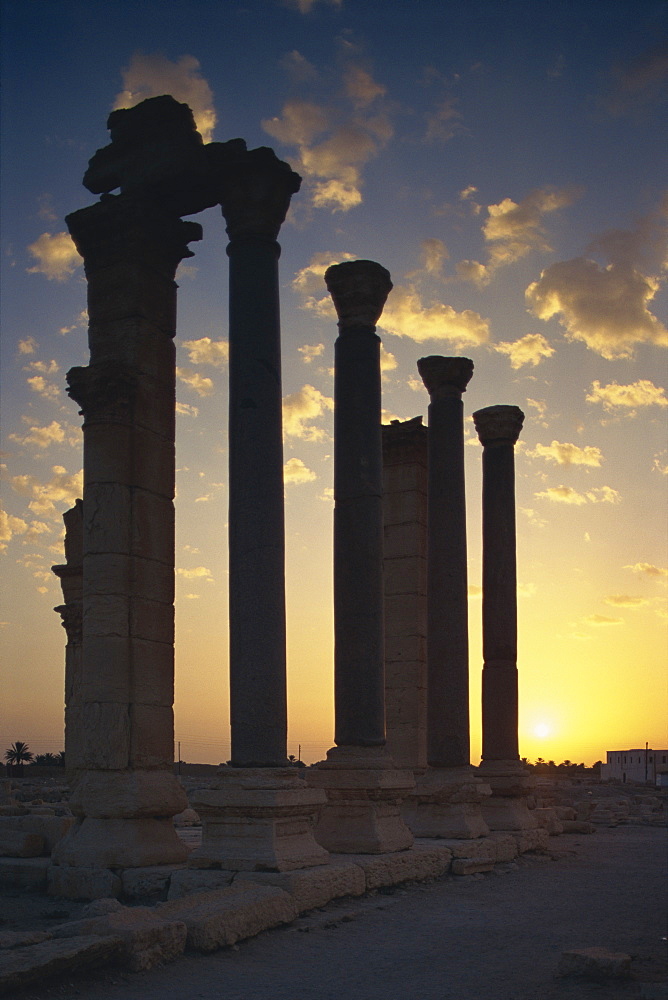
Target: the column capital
(254, 189)
(498, 424)
(359, 290)
(445, 376)
(126, 229)
(105, 391)
(72, 620)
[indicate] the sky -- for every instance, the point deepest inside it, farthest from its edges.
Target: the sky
(505, 160)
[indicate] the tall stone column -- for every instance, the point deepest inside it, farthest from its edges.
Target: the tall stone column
(259, 813)
(448, 794)
(70, 575)
(126, 794)
(498, 428)
(405, 578)
(364, 788)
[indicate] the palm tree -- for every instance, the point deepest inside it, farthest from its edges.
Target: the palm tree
(18, 753)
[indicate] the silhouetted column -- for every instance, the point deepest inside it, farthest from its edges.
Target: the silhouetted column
(127, 793)
(71, 580)
(448, 743)
(256, 191)
(258, 814)
(498, 428)
(363, 786)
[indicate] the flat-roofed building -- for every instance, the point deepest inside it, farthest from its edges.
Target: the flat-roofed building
(644, 766)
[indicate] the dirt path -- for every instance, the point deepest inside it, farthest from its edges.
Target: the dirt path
(492, 937)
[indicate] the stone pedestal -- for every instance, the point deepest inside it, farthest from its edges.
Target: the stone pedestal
(364, 788)
(447, 803)
(258, 819)
(364, 795)
(498, 428)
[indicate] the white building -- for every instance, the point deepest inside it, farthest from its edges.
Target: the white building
(643, 766)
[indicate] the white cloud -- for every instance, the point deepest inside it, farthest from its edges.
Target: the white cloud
(44, 388)
(361, 88)
(566, 494)
(444, 122)
(300, 409)
(10, 526)
(186, 410)
(53, 433)
(311, 351)
(564, 453)
(601, 620)
(196, 573)
(154, 75)
(433, 252)
(640, 393)
(28, 346)
(57, 257)
(202, 385)
(388, 362)
(648, 569)
(62, 487)
(640, 82)
(206, 351)
(295, 472)
(625, 601)
(405, 315)
(528, 350)
(605, 307)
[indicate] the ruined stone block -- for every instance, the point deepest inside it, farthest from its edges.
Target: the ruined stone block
(20, 844)
(38, 962)
(418, 862)
(24, 873)
(314, 887)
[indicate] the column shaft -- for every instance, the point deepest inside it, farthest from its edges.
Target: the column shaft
(358, 541)
(256, 517)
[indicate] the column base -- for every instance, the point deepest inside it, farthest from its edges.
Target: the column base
(258, 819)
(364, 794)
(511, 785)
(447, 803)
(120, 843)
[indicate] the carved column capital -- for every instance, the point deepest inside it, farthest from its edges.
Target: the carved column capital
(498, 424)
(255, 189)
(445, 376)
(359, 290)
(105, 391)
(127, 229)
(72, 621)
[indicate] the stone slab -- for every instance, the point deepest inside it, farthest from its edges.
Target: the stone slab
(220, 918)
(577, 826)
(501, 846)
(35, 963)
(51, 828)
(83, 883)
(190, 880)
(148, 883)
(148, 938)
(531, 840)
(24, 873)
(391, 869)
(314, 887)
(595, 963)
(471, 866)
(20, 844)
(18, 939)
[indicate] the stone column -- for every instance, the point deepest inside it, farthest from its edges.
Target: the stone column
(498, 428)
(259, 813)
(127, 794)
(448, 794)
(71, 580)
(405, 578)
(364, 787)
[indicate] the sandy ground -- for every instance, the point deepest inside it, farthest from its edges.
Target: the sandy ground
(487, 937)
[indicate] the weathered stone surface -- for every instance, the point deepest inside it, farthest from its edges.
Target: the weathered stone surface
(547, 819)
(191, 880)
(187, 818)
(220, 918)
(148, 883)
(531, 840)
(577, 826)
(148, 937)
(501, 847)
(595, 963)
(130, 794)
(99, 907)
(446, 803)
(314, 886)
(359, 289)
(471, 866)
(82, 883)
(390, 869)
(50, 828)
(37, 962)
(258, 819)
(18, 939)
(121, 843)
(20, 844)
(24, 873)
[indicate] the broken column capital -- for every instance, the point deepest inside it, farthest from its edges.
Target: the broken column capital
(498, 424)
(254, 189)
(104, 390)
(126, 229)
(445, 376)
(71, 614)
(359, 290)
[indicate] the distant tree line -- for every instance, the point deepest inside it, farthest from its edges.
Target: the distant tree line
(19, 753)
(541, 766)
